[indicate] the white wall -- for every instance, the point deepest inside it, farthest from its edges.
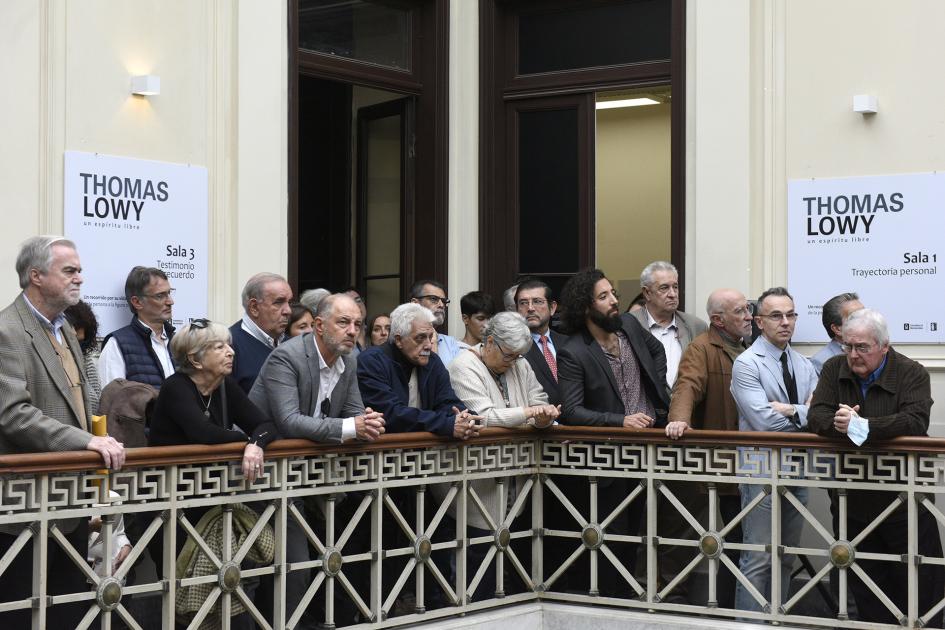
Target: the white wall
(222, 105)
(769, 98)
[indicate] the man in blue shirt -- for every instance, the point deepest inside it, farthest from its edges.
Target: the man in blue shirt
(835, 312)
(772, 385)
(432, 295)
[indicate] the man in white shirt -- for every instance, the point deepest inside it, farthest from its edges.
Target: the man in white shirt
(266, 305)
(140, 351)
(673, 328)
(326, 409)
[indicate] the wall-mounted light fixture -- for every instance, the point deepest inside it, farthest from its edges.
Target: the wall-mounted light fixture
(627, 102)
(865, 104)
(146, 85)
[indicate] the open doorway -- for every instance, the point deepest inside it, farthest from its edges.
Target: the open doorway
(633, 184)
(355, 189)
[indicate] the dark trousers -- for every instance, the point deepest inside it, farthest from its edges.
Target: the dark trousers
(672, 559)
(610, 493)
(891, 577)
(62, 577)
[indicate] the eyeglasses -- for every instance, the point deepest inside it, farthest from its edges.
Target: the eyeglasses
(861, 348)
(199, 324)
(507, 357)
(435, 299)
(533, 302)
(775, 318)
(160, 297)
(663, 289)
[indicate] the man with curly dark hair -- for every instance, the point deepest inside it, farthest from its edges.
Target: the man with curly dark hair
(612, 373)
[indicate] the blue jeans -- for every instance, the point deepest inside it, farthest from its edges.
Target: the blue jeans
(756, 529)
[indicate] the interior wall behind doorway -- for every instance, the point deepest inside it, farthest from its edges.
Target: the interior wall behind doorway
(633, 193)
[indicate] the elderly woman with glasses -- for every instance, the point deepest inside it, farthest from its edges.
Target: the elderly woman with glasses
(490, 378)
(493, 378)
(202, 404)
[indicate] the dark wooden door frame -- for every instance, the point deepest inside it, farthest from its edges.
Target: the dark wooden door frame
(428, 81)
(403, 108)
(582, 103)
(499, 85)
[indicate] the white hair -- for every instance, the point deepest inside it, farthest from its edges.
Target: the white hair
(312, 298)
(36, 253)
(510, 331)
(256, 285)
(868, 319)
(646, 277)
(508, 297)
(403, 317)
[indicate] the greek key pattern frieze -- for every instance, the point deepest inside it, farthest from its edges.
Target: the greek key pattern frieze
(695, 459)
(499, 456)
(415, 463)
(622, 457)
(19, 494)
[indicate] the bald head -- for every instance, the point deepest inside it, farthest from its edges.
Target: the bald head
(729, 313)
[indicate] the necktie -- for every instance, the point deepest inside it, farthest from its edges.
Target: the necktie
(550, 358)
(789, 383)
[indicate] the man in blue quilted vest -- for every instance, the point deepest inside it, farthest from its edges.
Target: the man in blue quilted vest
(141, 350)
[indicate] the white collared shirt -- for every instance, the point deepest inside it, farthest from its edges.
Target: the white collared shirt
(551, 346)
(255, 331)
(328, 377)
(54, 326)
(669, 337)
(111, 363)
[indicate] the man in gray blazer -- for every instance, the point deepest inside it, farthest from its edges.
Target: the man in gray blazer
(44, 406)
(772, 385)
(309, 387)
(673, 328)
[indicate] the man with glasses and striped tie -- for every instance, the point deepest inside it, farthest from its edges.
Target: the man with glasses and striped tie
(140, 351)
(534, 302)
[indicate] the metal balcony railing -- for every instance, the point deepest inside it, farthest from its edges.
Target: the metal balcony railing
(396, 537)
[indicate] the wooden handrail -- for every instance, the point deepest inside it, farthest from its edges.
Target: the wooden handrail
(71, 461)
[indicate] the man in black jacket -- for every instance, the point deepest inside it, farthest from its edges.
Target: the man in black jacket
(534, 302)
(611, 373)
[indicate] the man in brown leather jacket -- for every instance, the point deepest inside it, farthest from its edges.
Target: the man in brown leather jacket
(702, 400)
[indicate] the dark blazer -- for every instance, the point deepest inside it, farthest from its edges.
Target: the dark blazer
(540, 367)
(589, 388)
(384, 387)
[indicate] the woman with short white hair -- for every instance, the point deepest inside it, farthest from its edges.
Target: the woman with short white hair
(493, 378)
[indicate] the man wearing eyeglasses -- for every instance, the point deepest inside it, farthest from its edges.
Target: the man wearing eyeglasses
(873, 393)
(140, 351)
(534, 303)
(432, 294)
(674, 329)
(772, 385)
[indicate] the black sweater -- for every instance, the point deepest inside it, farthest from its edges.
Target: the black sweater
(178, 416)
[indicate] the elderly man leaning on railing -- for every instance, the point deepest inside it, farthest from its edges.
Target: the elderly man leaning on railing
(44, 406)
(872, 393)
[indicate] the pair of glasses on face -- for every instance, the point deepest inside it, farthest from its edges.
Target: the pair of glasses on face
(507, 357)
(162, 296)
(436, 299)
(532, 302)
(859, 348)
(775, 318)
